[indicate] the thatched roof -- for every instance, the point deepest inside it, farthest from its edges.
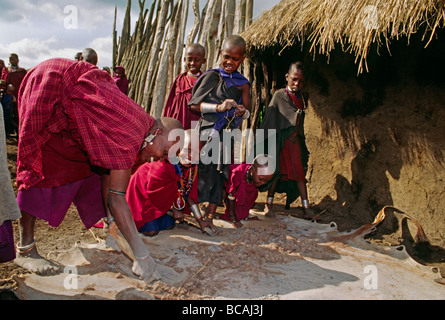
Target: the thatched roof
(354, 24)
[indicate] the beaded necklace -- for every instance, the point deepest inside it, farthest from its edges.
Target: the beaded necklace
(185, 185)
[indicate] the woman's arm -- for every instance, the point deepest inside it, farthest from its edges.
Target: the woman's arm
(144, 264)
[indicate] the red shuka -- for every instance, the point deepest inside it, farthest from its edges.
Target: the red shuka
(151, 191)
(73, 113)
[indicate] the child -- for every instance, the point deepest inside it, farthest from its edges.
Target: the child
(181, 90)
(156, 186)
(242, 187)
(186, 202)
(222, 96)
(286, 114)
(150, 194)
(6, 101)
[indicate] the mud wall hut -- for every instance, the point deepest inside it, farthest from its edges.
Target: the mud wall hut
(375, 128)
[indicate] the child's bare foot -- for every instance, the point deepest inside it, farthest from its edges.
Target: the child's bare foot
(309, 214)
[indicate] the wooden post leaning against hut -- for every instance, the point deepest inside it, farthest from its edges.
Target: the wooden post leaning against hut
(180, 44)
(225, 27)
(208, 29)
(154, 55)
(196, 24)
(167, 62)
(125, 36)
(115, 44)
(243, 23)
(212, 34)
(144, 52)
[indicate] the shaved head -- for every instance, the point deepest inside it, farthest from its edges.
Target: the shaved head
(235, 41)
(197, 47)
(169, 123)
(90, 55)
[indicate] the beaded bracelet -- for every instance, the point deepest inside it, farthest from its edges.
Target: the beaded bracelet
(119, 193)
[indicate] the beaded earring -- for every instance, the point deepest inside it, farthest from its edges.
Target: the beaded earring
(150, 138)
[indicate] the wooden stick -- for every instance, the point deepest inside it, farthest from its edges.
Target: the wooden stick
(114, 232)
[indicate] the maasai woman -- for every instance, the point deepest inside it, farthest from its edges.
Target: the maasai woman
(80, 135)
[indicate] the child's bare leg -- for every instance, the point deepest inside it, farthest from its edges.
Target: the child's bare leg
(308, 212)
(211, 209)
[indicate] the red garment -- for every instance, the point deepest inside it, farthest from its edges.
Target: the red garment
(3, 73)
(151, 191)
(297, 101)
(15, 78)
(245, 194)
(291, 166)
(122, 81)
(78, 111)
(178, 100)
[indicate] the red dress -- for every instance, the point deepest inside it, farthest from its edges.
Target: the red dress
(72, 115)
(245, 194)
(178, 100)
(291, 166)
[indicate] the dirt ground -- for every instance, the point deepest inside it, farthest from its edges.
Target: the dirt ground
(72, 231)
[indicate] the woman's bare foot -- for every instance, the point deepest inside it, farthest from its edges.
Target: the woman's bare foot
(33, 262)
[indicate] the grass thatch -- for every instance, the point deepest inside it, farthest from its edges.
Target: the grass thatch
(350, 23)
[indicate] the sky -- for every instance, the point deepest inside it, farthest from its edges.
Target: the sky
(38, 30)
